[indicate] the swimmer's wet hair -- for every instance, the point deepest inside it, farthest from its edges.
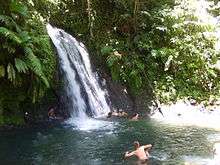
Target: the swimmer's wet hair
(135, 114)
(136, 143)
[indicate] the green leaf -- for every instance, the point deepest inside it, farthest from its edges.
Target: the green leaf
(20, 65)
(168, 62)
(133, 73)
(25, 37)
(9, 47)
(212, 73)
(10, 35)
(154, 53)
(111, 60)
(2, 71)
(106, 50)
(115, 73)
(19, 8)
(140, 66)
(35, 65)
(11, 72)
(9, 22)
(5, 19)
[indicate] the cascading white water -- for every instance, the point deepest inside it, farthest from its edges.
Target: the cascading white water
(82, 88)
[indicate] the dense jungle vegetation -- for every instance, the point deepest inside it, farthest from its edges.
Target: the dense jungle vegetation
(170, 46)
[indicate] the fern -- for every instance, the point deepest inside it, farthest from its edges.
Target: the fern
(25, 37)
(2, 71)
(9, 22)
(10, 35)
(43, 42)
(8, 47)
(11, 72)
(111, 60)
(20, 65)
(106, 50)
(34, 64)
(26, 57)
(19, 8)
(6, 19)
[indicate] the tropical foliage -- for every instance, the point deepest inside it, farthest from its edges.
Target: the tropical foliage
(172, 47)
(26, 57)
(168, 46)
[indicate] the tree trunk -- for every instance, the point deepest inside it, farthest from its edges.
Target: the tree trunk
(135, 13)
(91, 18)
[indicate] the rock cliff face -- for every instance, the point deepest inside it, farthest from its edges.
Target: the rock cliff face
(144, 100)
(121, 99)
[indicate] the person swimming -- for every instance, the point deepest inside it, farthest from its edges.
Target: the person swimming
(111, 114)
(51, 114)
(141, 152)
(120, 114)
(135, 117)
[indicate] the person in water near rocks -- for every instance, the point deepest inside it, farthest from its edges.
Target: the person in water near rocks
(51, 113)
(111, 114)
(135, 117)
(120, 113)
(141, 152)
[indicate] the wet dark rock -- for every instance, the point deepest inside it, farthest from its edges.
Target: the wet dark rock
(119, 98)
(143, 101)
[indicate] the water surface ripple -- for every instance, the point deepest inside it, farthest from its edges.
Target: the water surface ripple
(68, 146)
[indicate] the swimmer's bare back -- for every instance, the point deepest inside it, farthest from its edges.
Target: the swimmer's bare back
(141, 152)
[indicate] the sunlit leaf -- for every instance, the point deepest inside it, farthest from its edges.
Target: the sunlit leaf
(2, 71)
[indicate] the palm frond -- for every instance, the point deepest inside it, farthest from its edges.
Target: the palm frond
(20, 65)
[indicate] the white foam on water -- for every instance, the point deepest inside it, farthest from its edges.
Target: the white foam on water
(183, 114)
(214, 137)
(196, 160)
(91, 124)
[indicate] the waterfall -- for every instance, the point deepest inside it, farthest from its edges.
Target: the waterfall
(85, 97)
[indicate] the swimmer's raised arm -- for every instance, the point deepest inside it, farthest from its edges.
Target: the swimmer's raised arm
(148, 146)
(127, 154)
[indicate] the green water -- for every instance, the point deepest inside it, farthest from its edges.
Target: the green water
(65, 145)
